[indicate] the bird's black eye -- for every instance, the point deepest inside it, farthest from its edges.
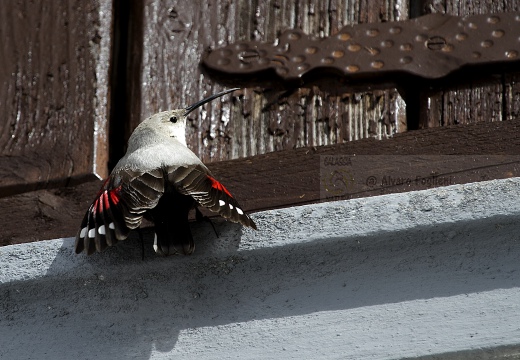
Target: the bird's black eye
(173, 119)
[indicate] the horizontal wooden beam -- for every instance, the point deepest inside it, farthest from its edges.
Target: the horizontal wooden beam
(410, 161)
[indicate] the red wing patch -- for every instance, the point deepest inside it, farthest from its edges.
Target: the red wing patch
(118, 208)
(114, 195)
(197, 182)
(105, 199)
(216, 185)
(103, 224)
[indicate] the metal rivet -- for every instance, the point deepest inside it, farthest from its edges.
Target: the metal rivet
(493, 19)
(498, 33)
(387, 43)
(303, 67)
(372, 32)
(344, 36)
(405, 60)
(338, 54)
(352, 68)
(511, 54)
(354, 47)
(298, 59)
(395, 30)
(486, 43)
(435, 43)
(476, 55)
(327, 60)
(421, 38)
(472, 26)
(461, 36)
(447, 48)
(406, 47)
(311, 50)
(377, 64)
(294, 36)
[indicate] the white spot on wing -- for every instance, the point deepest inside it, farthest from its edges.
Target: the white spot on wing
(221, 202)
(231, 206)
(155, 247)
(239, 211)
(92, 233)
(101, 230)
(83, 232)
(111, 226)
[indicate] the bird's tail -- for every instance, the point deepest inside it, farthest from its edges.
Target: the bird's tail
(174, 238)
(172, 228)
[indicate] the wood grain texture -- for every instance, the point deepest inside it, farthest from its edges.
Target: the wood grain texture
(493, 99)
(512, 96)
(258, 121)
(53, 92)
(451, 155)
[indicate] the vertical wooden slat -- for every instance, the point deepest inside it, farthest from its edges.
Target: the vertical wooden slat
(512, 97)
(54, 59)
(176, 33)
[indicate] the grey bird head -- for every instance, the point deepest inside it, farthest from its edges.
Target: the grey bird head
(172, 123)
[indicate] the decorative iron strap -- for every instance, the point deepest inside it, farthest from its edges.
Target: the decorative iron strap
(431, 47)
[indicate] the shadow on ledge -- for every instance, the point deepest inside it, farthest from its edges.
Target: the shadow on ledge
(114, 305)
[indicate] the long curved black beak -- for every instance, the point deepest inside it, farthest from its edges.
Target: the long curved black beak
(208, 99)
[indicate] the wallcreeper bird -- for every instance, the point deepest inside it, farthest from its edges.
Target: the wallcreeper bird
(161, 179)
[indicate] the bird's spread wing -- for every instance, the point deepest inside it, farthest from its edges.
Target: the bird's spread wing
(118, 207)
(197, 181)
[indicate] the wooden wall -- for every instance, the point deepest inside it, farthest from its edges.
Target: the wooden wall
(260, 120)
(76, 77)
(76, 81)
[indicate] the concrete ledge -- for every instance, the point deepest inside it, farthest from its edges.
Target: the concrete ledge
(418, 274)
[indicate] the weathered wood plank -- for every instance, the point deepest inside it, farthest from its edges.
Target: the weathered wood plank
(429, 158)
(176, 35)
(512, 96)
(475, 102)
(54, 60)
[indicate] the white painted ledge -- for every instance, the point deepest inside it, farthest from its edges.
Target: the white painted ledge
(405, 275)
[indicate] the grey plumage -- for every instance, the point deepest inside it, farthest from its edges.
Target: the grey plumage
(161, 178)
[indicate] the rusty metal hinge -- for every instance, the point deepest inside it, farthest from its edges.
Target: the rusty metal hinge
(429, 47)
